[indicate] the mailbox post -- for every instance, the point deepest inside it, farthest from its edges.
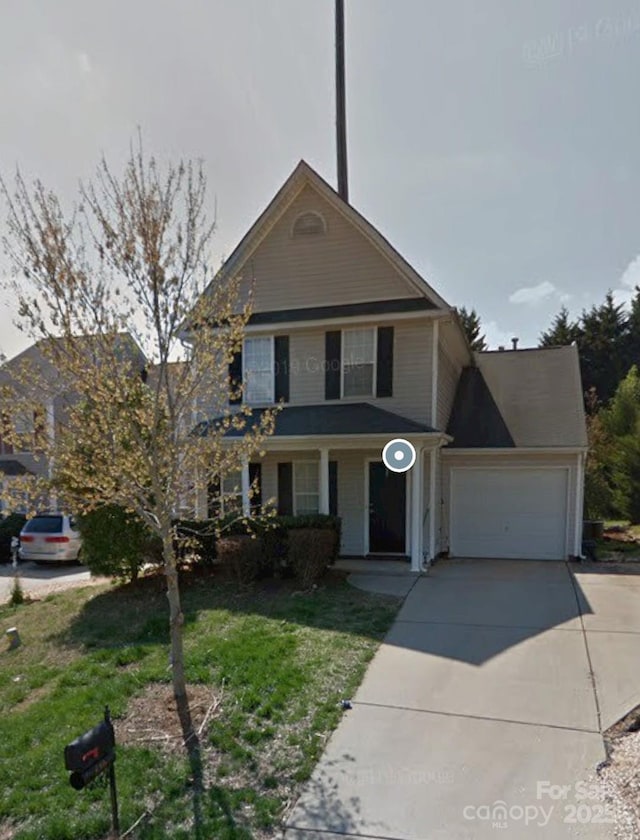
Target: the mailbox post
(89, 756)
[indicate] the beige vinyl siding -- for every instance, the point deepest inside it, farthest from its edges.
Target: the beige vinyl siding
(306, 366)
(411, 374)
(341, 266)
(448, 375)
(523, 460)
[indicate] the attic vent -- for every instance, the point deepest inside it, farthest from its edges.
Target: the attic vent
(309, 224)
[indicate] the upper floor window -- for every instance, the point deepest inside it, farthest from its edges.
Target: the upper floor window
(358, 362)
(258, 370)
(308, 224)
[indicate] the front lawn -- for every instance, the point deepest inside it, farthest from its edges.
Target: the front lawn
(268, 669)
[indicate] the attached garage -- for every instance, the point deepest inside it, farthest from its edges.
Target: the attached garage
(509, 512)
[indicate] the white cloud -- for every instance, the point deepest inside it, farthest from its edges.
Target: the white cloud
(495, 336)
(625, 292)
(84, 62)
(534, 294)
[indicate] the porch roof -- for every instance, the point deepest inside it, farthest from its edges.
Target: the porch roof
(332, 419)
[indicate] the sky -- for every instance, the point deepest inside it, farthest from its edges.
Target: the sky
(495, 144)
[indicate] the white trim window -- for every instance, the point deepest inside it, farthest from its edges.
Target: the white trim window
(306, 487)
(258, 370)
(359, 362)
(231, 492)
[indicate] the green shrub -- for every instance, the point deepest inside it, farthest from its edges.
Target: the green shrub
(195, 539)
(17, 593)
(311, 551)
(117, 543)
(10, 526)
(242, 555)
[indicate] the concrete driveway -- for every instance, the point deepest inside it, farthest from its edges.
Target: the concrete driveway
(41, 580)
(481, 714)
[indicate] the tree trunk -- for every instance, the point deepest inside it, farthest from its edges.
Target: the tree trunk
(176, 621)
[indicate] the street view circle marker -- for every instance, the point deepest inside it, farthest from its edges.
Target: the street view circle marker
(399, 455)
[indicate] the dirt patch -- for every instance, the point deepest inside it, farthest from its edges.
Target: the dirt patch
(152, 720)
(7, 831)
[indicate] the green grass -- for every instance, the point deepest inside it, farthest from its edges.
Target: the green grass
(281, 661)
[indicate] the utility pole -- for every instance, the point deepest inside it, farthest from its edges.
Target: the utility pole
(341, 105)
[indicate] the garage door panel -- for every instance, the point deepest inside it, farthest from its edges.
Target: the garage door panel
(518, 513)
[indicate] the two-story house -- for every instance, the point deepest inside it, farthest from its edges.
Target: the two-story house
(360, 349)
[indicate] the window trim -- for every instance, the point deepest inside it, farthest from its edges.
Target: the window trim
(245, 389)
(294, 491)
(374, 377)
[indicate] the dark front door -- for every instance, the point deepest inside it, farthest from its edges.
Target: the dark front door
(387, 509)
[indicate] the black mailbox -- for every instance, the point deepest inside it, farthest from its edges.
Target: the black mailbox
(90, 754)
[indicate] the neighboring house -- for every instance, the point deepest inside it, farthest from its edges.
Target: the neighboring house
(33, 429)
(361, 349)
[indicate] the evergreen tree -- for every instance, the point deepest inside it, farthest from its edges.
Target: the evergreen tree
(603, 347)
(473, 329)
(562, 331)
(633, 331)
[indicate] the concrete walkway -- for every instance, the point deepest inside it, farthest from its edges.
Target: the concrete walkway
(482, 712)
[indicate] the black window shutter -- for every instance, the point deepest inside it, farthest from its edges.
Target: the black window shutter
(235, 376)
(333, 363)
(213, 499)
(333, 488)
(285, 489)
(384, 378)
(255, 482)
(281, 354)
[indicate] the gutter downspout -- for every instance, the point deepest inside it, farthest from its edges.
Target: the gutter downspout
(579, 513)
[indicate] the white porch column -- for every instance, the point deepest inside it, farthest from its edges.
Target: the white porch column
(323, 502)
(246, 501)
(417, 480)
(199, 501)
(433, 506)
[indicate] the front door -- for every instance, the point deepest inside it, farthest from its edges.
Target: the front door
(387, 509)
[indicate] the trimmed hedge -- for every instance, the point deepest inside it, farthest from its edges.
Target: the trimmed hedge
(311, 551)
(242, 555)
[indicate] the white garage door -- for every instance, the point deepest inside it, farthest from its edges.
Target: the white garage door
(519, 513)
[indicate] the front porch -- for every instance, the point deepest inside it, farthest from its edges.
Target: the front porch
(389, 520)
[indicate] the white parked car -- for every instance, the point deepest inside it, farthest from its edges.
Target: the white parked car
(50, 538)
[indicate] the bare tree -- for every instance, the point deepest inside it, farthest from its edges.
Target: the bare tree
(131, 261)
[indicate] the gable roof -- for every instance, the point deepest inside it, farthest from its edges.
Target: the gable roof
(304, 175)
(475, 418)
(524, 398)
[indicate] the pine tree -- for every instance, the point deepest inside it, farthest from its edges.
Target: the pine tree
(562, 331)
(603, 347)
(472, 328)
